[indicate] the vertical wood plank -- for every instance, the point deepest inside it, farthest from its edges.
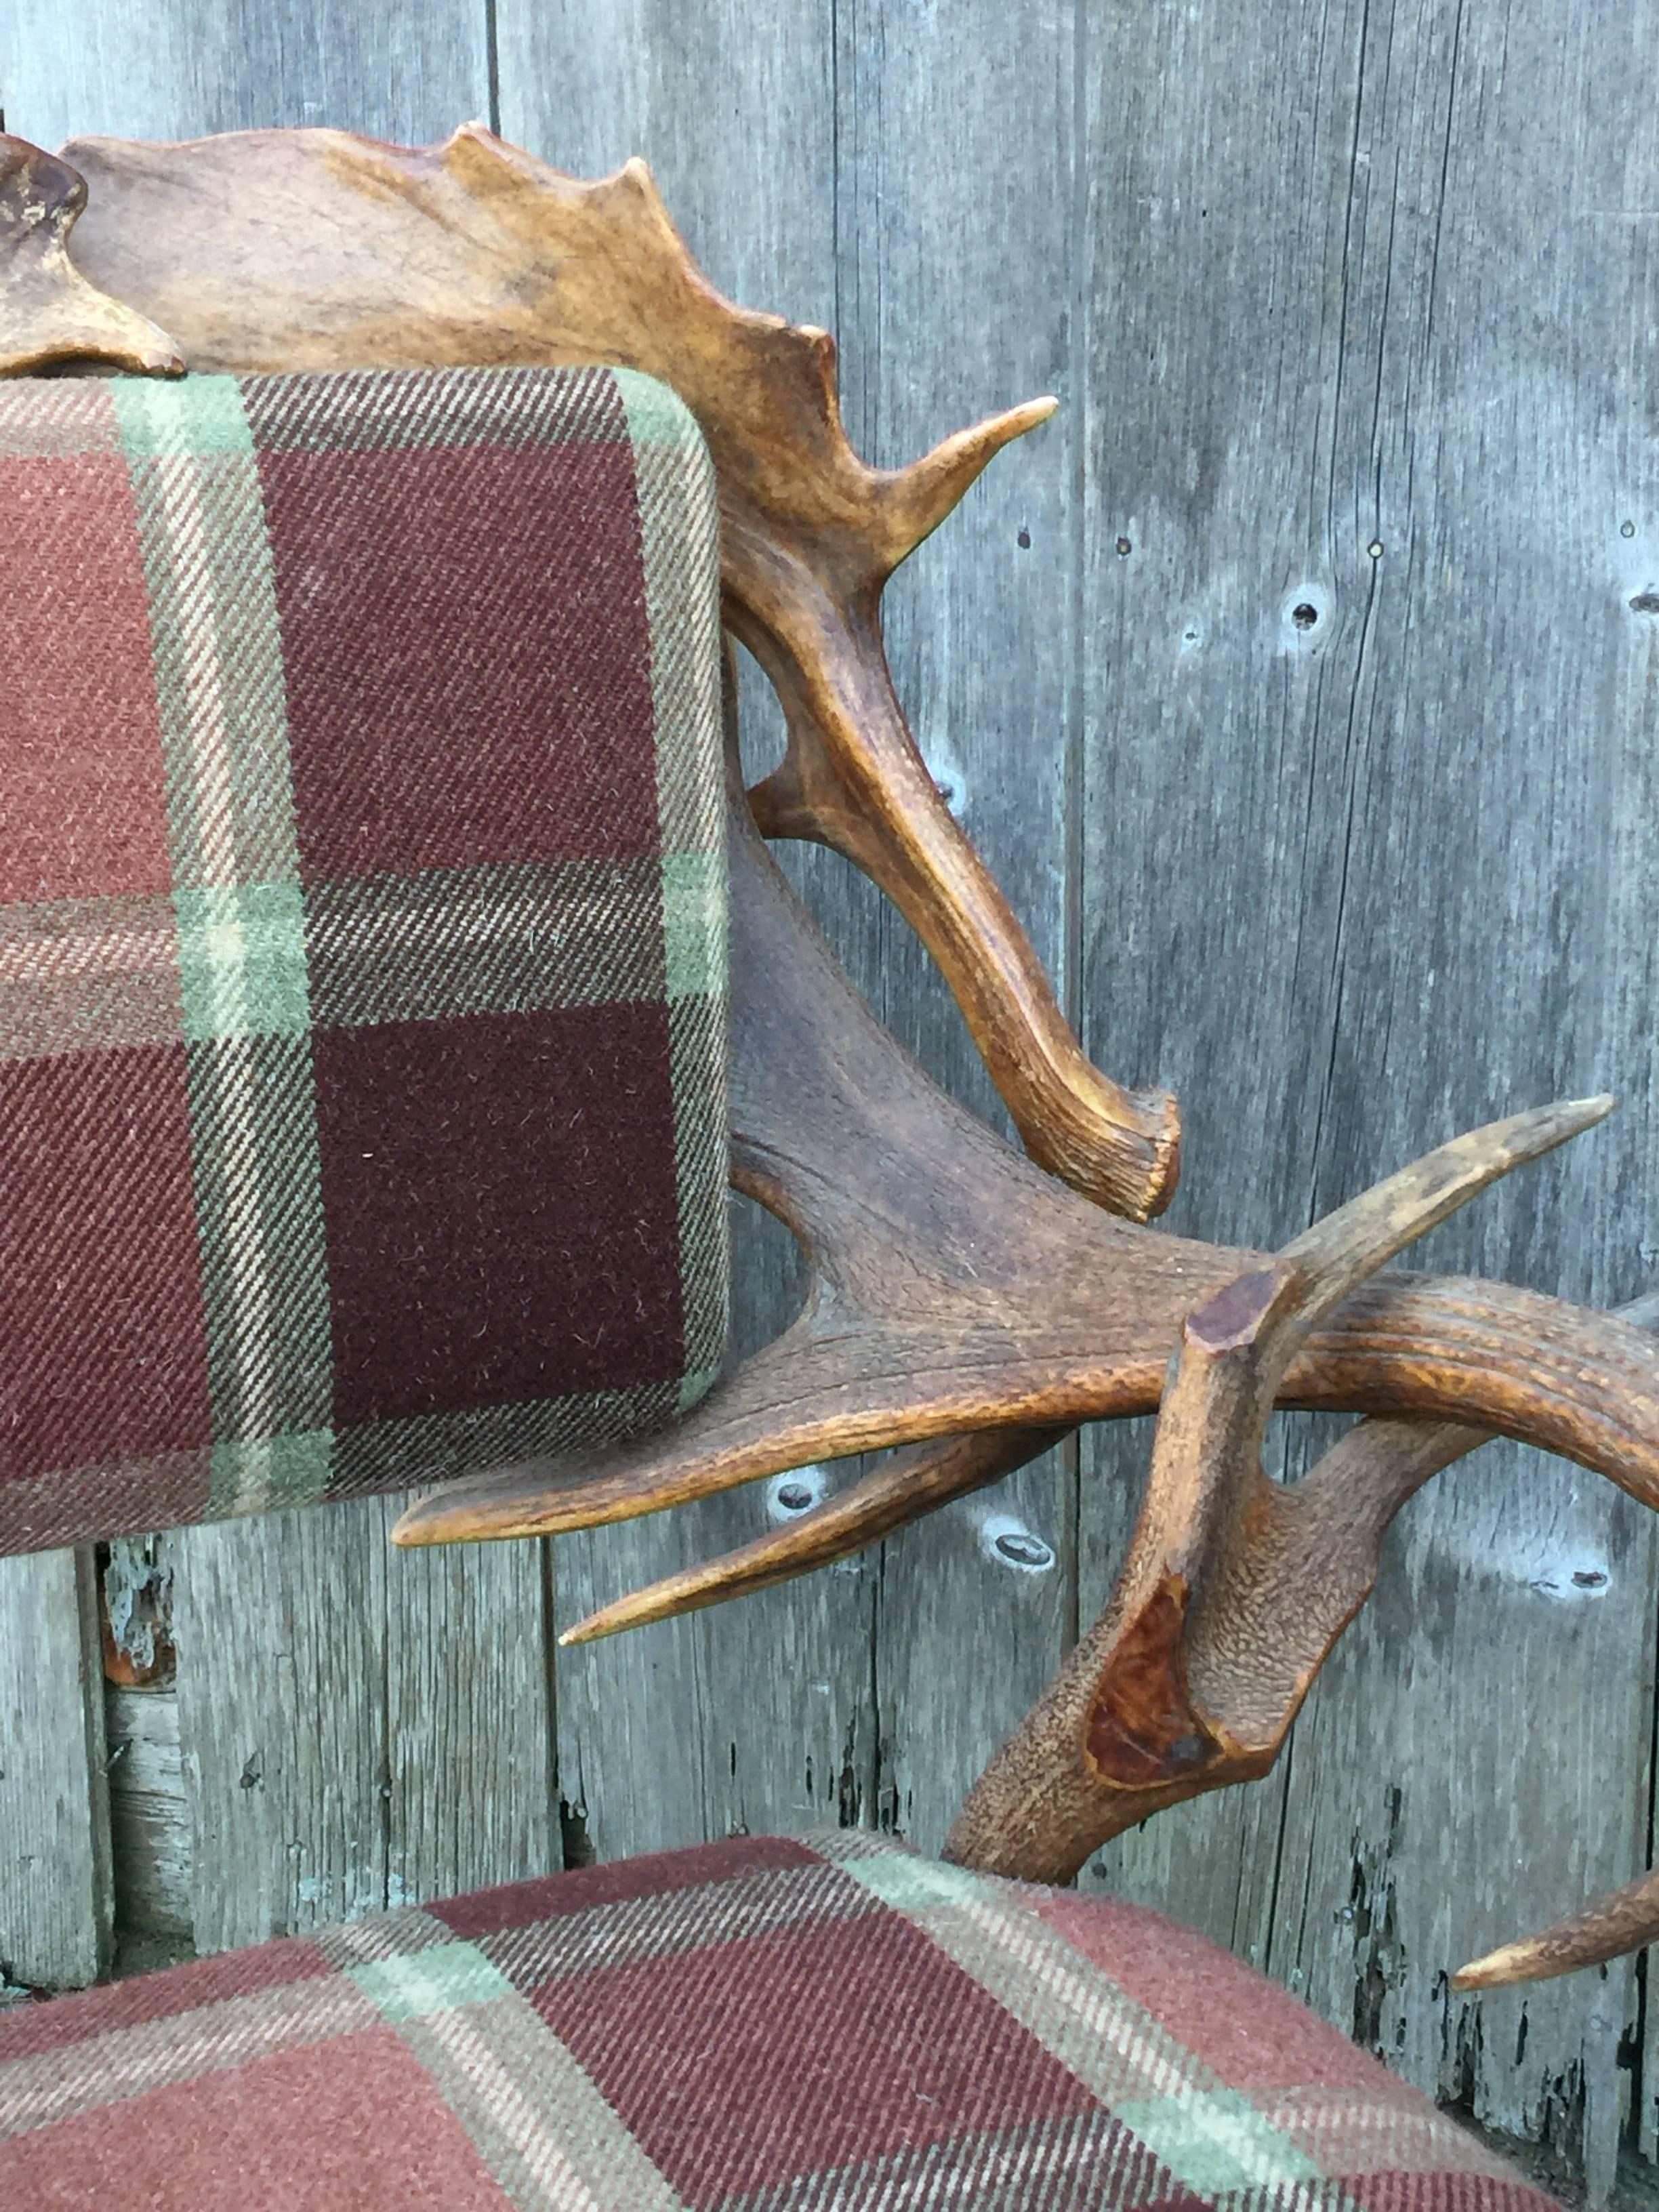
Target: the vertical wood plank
(754, 1715)
(1373, 873)
(180, 68)
(56, 1898)
(956, 298)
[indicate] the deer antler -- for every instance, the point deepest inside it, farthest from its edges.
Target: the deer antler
(1235, 1588)
(957, 1289)
(48, 311)
(315, 249)
(964, 1302)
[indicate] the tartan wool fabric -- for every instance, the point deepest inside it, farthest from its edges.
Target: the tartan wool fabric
(760, 2025)
(361, 934)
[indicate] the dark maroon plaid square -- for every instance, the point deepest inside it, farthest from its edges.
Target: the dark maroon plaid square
(362, 935)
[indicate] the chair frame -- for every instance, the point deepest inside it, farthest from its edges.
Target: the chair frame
(969, 1306)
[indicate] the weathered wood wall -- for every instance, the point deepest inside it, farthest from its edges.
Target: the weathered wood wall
(1291, 681)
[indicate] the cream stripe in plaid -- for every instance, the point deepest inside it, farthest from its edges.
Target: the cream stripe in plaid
(541, 2126)
(374, 411)
(222, 704)
(675, 483)
(214, 2038)
(1214, 2138)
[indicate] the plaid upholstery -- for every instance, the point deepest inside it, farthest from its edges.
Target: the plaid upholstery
(361, 934)
(760, 2024)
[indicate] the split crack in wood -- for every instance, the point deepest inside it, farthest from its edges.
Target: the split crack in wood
(965, 1305)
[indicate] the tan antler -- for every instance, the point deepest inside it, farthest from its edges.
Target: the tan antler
(48, 311)
(1623, 1920)
(1235, 1588)
(957, 1289)
(965, 1304)
(315, 249)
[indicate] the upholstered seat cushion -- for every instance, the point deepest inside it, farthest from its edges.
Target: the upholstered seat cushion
(362, 934)
(763, 2023)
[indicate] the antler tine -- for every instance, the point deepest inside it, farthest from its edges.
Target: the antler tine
(918, 498)
(1234, 1589)
(904, 1486)
(1621, 1920)
(1337, 1254)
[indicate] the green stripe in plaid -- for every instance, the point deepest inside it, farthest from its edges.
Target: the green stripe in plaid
(369, 793)
(685, 685)
(757, 2025)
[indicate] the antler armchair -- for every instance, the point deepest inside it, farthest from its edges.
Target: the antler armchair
(605, 2033)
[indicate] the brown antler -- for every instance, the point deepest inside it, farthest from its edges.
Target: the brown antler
(314, 249)
(48, 311)
(1235, 1588)
(955, 1288)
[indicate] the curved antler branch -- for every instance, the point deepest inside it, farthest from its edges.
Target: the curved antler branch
(956, 1288)
(899, 1490)
(1623, 1920)
(48, 311)
(314, 249)
(1235, 1588)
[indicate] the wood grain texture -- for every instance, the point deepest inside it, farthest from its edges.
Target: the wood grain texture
(181, 69)
(358, 1729)
(760, 1717)
(56, 1895)
(151, 1823)
(930, 196)
(1379, 277)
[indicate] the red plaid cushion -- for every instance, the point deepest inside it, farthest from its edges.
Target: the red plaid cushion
(361, 934)
(760, 2024)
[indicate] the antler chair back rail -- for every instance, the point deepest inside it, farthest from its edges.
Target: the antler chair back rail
(968, 1306)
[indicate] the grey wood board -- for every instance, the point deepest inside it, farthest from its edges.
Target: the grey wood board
(180, 68)
(151, 1823)
(56, 1894)
(1375, 278)
(758, 1716)
(361, 1727)
(952, 242)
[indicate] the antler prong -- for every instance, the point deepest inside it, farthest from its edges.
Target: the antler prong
(1339, 1252)
(918, 498)
(1234, 1589)
(48, 311)
(899, 1489)
(1622, 1920)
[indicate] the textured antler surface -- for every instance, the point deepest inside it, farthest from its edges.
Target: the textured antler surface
(315, 249)
(964, 1306)
(955, 1288)
(48, 311)
(1234, 1588)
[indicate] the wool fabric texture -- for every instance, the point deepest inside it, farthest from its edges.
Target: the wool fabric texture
(759, 2025)
(361, 934)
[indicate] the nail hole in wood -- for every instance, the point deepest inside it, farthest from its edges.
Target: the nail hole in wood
(1305, 615)
(1124, 546)
(1010, 1543)
(1645, 603)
